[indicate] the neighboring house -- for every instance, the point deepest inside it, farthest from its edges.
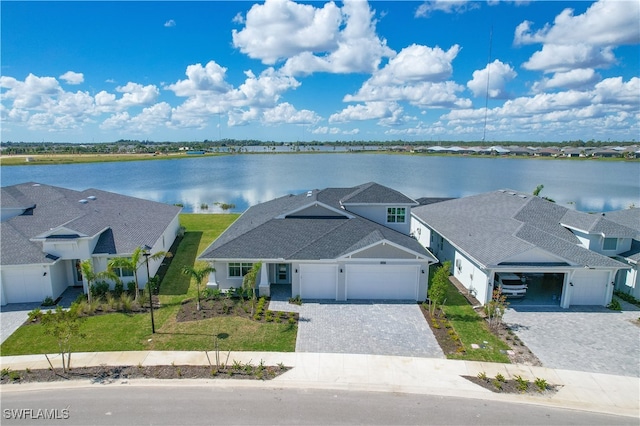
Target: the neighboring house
(48, 231)
(335, 243)
(562, 254)
(629, 281)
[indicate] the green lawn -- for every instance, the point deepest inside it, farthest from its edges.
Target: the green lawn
(472, 329)
(130, 332)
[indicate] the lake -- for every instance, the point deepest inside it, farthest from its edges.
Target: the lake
(248, 179)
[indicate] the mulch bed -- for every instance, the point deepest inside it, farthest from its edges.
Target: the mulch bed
(512, 386)
(442, 332)
(110, 374)
(236, 307)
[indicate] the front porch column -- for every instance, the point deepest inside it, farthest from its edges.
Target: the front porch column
(264, 287)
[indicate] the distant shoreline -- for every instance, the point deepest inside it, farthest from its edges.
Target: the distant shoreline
(62, 159)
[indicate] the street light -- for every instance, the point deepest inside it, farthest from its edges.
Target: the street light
(146, 253)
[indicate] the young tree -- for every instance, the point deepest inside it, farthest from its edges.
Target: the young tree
(64, 326)
(496, 308)
(199, 273)
(134, 262)
(87, 272)
(438, 286)
(249, 283)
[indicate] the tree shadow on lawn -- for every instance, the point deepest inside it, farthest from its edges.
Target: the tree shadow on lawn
(185, 252)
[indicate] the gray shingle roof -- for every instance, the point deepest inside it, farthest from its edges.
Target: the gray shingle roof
(123, 223)
(495, 227)
(373, 193)
(631, 219)
(264, 231)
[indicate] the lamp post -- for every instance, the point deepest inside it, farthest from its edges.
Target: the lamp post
(146, 253)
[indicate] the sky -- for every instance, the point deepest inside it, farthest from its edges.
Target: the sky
(286, 71)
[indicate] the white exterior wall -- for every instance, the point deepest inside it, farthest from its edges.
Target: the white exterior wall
(59, 274)
(378, 214)
(472, 278)
(630, 281)
(421, 232)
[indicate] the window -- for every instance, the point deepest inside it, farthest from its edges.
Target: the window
(396, 214)
(610, 244)
(239, 269)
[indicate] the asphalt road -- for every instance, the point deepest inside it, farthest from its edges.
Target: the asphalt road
(201, 405)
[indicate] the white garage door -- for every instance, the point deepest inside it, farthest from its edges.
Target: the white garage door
(589, 288)
(391, 282)
(22, 286)
(318, 281)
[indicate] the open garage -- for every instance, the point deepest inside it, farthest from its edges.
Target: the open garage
(543, 289)
(382, 282)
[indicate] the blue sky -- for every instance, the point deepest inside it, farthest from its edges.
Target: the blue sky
(287, 71)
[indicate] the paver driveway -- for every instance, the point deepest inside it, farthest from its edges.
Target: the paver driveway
(375, 328)
(584, 338)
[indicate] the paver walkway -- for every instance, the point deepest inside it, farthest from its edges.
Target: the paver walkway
(584, 338)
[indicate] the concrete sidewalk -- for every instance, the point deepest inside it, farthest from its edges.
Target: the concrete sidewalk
(617, 395)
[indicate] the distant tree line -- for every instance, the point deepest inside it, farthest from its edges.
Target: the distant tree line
(129, 146)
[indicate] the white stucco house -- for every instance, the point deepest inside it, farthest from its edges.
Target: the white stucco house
(47, 231)
(628, 281)
(332, 244)
(565, 257)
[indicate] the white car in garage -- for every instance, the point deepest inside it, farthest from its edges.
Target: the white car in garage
(511, 285)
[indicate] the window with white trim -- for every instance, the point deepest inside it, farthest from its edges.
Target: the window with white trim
(237, 269)
(610, 244)
(396, 214)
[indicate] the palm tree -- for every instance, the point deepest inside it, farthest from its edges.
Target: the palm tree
(133, 262)
(249, 283)
(87, 272)
(199, 273)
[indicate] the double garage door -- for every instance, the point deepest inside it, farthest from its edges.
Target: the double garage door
(374, 282)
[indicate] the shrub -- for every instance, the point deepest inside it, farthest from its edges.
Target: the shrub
(131, 287)
(500, 378)
(614, 305)
(118, 289)
(99, 289)
(482, 375)
(541, 384)
(295, 300)
(291, 320)
(522, 384)
(48, 301)
(35, 315)
(126, 302)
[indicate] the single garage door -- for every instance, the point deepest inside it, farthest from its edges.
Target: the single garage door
(318, 281)
(589, 288)
(378, 282)
(22, 286)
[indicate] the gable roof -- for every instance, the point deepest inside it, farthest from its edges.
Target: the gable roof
(631, 219)
(496, 226)
(122, 223)
(265, 231)
(373, 193)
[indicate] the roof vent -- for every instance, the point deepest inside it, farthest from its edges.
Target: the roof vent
(511, 193)
(522, 196)
(309, 193)
(83, 201)
(36, 184)
(91, 197)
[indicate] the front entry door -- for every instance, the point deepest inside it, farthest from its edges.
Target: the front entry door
(283, 273)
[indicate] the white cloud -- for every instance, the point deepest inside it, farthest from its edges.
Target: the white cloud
(30, 93)
(170, 23)
(309, 39)
(575, 79)
(417, 63)
(285, 113)
(148, 120)
(498, 74)
(447, 6)
(135, 94)
(279, 29)
(210, 78)
(71, 77)
(582, 41)
(388, 113)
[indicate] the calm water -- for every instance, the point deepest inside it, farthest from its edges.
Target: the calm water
(245, 180)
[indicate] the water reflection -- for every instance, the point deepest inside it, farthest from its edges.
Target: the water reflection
(246, 180)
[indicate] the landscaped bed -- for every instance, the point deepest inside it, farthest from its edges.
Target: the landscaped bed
(109, 374)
